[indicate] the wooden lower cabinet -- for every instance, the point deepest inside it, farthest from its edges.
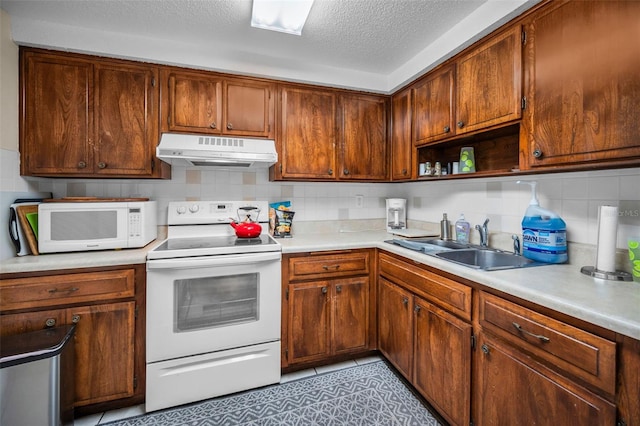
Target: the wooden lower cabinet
(513, 389)
(109, 336)
(395, 326)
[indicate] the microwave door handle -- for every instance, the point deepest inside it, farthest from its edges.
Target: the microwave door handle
(212, 261)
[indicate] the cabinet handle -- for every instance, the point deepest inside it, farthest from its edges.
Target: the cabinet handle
(485, 349)
(229, 126)
(447, 129)
(213, 125)
(346, 171)
(330, 171)
(460, 124)
(102, 165)
(327, 267)
(50, 322)
(324, 290)
(537, 153)
(416, 309)
(64, 290)
(82, 165)
(540, 337)
(75, 319)
(405, 301)
(338, 288)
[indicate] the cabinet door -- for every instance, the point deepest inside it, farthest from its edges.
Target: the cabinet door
(442, 357)
(395, 326)
(489, 83)
(363, 138)
(31, 321)
(104, 351)
(309, 321)
(56, 120)
(307, 133)
(126, 121)
(248, 108)
(433, 103)
(583, 85)
(401, 147)
(194, 104)
(513, 390)
(350, 320)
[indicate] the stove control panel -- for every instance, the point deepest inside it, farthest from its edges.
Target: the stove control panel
(215, 212)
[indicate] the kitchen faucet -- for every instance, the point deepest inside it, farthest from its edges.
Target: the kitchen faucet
(484, 233)
(516, 244)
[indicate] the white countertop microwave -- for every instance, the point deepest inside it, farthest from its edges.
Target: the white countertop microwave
(84, 226)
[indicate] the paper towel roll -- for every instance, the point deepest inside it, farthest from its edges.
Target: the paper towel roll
(607, 237)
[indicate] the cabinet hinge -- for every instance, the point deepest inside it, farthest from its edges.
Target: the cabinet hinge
(280, 167)
(153, 164)
(287, 294)
(153, 82)
(135, 382)
(169, 119)
(523, 103)
(473, 341)
(135, 312)
(523, 37)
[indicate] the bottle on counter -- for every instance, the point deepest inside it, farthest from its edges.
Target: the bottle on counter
(462, 230)
(445, 228)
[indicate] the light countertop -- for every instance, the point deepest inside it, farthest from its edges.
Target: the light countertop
(609, 304)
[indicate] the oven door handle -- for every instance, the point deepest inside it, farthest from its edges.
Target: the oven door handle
(212, 261)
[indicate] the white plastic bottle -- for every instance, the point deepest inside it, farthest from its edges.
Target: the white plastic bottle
(462, 230)
(544, 233)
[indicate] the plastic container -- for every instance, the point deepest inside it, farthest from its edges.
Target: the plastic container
(462, 230)
(544, 233)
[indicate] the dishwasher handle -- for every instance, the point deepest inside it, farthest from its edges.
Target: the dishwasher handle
(218, 260)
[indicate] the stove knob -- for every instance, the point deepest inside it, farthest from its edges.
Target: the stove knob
(194, 208)
(181, 209)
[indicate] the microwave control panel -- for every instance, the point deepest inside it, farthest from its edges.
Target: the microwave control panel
(135, 222)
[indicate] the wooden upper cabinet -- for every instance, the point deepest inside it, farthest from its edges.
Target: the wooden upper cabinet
(56, 124)
(208, 103)
(306, 134)
(401, 146)
(489, 83)
(248, 108)
(126, 124)
(582, 83)
(194, 103)
(433, 109)
(362, 124)
(83, 116)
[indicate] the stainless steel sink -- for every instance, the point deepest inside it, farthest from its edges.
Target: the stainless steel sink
(454, 245)
(488, 260)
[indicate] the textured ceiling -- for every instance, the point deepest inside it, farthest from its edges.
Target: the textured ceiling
(372, 38)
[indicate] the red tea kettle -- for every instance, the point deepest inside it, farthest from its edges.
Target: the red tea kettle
(247, 227)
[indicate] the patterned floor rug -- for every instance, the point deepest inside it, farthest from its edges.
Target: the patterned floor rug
(369, 394)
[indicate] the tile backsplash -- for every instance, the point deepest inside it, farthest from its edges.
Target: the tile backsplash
(574, 196)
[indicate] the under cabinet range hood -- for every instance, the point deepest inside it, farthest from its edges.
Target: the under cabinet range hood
(216, 151)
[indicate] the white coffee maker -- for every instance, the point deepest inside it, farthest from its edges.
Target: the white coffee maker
(396, 214)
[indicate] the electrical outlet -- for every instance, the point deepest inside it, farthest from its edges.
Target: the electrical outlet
(359, 201)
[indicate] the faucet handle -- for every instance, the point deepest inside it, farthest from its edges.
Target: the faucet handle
(516, 244)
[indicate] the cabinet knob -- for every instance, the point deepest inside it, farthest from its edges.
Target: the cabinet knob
(460, 124)
(82, 165)
(416, 309)
(324, 290)
(330, 171)
(213, 125)
(346, 171)
(102, 165)
(405, 301)
(404, 172)
(485, 349)
(229, 126)
(50, 322)
(75, 319)
(447, 129)
(338, 288)
(537, 153)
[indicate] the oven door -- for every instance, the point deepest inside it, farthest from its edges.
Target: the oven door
(197, 305)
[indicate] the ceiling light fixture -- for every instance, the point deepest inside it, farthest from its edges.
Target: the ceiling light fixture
(287, 16)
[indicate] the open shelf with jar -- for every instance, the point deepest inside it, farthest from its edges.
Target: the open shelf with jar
(496, 154)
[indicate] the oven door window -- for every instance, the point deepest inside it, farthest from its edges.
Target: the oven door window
(215, 301)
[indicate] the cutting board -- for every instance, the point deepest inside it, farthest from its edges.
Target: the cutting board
(414, 233)
(28, 231)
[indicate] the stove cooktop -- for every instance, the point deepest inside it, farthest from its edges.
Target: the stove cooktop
(213, 245)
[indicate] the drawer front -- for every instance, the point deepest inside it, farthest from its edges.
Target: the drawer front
(582, 354)
(64, 289)
(446, 293)
(326, 266)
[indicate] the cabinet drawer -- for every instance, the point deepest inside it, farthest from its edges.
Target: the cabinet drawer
(577, 352)
(442, 291)
(63, 289)
(324, 266)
